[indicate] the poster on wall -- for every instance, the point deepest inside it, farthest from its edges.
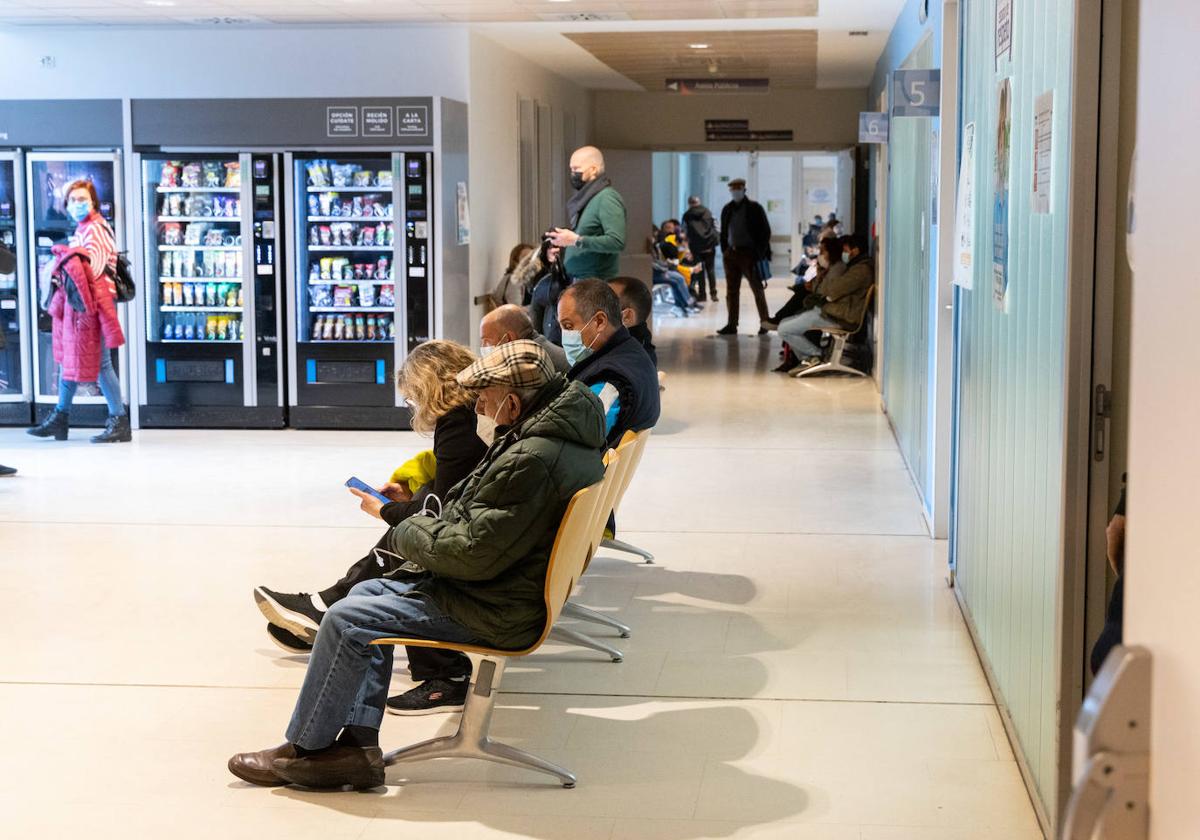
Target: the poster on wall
(964, 222)
(463, 214)
(1004, 31)
(1043, 148)
(1000, 185)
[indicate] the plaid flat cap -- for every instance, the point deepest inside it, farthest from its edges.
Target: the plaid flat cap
(518, 364)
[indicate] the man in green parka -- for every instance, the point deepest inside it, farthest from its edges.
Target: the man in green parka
(594, 237)
(481, 576)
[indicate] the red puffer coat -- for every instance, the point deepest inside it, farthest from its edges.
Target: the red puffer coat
(80, 337)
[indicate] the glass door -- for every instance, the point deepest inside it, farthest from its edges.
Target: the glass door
(346, 249)
(195, 254)
(13, 376)
(48, 173)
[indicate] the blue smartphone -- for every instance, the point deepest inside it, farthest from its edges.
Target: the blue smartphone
(359, 484)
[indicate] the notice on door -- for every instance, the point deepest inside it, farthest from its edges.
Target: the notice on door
(342, 121)
(1004, 31)
(1000, 185)
(964, 223)
(1043, 151)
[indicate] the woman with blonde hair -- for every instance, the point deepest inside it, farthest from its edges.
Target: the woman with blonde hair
(445, 410)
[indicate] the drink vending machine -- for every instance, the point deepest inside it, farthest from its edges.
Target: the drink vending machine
(15, 392)
(360, 284)
(210, 303)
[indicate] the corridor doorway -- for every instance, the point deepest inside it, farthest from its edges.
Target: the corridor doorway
(793, 187)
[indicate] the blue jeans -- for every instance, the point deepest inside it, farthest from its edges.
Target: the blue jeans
(110, 387)
(792, 331)
(347, 679)
(679, 289)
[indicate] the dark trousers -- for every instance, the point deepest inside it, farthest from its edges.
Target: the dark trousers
(739, 264)
(423, 663)
(708, 259)
(794, 306)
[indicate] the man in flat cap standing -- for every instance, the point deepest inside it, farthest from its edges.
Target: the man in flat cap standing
(480, 573)
(745, 241)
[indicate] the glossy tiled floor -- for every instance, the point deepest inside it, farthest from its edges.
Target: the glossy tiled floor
(798, 669)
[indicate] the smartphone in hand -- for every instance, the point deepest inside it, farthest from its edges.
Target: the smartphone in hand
(359, 484)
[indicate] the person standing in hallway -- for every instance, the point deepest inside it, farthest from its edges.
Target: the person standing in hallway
(83, 305)
(594, 237)
(703, 238)
(745, 239)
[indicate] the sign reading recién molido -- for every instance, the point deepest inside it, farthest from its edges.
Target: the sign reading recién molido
(916, 93)
(359, 121)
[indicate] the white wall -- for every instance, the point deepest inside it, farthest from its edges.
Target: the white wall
(190, 61)
(1162, 592)
(499, 78)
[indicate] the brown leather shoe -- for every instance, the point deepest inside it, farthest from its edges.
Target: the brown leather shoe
(255, 767)
(339, 766)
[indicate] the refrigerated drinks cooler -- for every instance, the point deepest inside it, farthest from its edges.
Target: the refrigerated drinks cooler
(360, 283)
(212, 289)
(15, 391)
(47, 174)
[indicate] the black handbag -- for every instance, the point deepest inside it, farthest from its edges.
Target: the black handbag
(122, 277)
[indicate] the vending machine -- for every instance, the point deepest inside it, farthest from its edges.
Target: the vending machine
(16, 396)
(211, 315)
(47, 175)
(360, 286)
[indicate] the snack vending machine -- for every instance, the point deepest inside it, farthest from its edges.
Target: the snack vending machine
(15, 393)
(360, 286)
(47, 174)
(212, 272)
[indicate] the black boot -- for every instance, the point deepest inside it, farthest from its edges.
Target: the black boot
(116, 430)
(54, 426)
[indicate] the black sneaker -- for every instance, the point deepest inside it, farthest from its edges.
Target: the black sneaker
(430, 698)
(7, 470)
(294, 613)
(288, 641)
(728, 329)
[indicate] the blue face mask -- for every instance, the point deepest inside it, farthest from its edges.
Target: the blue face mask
(846, 257)
(79, 210)
(573, 346)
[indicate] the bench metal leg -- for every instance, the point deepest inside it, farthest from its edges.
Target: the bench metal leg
(626, 547)
(574, 637)
(472, 739)
(834, 365)
(573, 610)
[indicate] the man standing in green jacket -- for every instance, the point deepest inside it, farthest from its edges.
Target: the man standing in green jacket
(594, 237)
(478, 570)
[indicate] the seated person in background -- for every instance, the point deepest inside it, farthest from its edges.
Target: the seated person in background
(636, 307)
(482, 575)
(665, 269)
(512, 285)
(842, 304)
(806, 294)
(608, 359)
(511, 323)
(442, 407)
(832, 227)
(1114, 616)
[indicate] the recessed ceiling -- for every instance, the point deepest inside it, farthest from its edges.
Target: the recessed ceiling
(787, 58)
(258, 12)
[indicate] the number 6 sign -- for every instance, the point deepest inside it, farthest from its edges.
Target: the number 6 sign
(872, 127)
(915, 93)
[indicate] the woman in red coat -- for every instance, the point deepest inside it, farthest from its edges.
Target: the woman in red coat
(84, 309)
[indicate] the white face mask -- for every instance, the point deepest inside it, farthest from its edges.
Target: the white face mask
(486, 350)
(485, 426)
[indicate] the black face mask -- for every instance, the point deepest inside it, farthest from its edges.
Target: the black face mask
(577, 180)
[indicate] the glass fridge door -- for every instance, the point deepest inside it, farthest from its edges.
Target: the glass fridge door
(48, 175)
(12, 374)
(345, 248)
(194, 261)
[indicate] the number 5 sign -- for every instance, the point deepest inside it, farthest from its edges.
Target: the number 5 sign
(915, 93)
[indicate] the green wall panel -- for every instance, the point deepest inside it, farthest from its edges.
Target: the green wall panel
(1011, 381)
